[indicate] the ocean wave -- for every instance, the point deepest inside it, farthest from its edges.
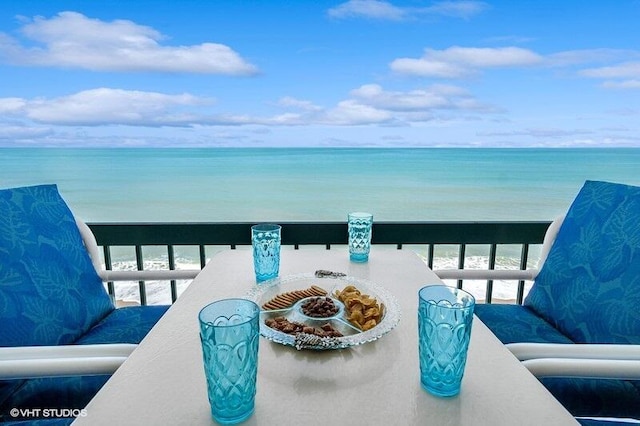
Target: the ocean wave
(158, 291)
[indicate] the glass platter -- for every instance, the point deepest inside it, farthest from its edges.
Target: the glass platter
(352, 336)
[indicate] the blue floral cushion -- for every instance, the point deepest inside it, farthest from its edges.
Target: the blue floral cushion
(589, 286)
(50, 293)
(53, 392)
(517, 323)
(124, 325)
(41, 422)
(603, 422)
(596, 397)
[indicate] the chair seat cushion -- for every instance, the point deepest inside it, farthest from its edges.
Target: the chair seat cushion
(50, 293)
(517, 323)
(41, 422)
(124, 325)
(53, 392)
(596, 397)
(589, 286)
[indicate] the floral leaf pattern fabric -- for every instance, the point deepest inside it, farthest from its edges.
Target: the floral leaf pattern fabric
(124, 325)
(50, 293)
(517, 323)
(589, 287)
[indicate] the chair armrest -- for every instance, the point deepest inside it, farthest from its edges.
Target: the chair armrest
(484, 274)
(59, 367)
(492, 274)
(92, 248)
(56, 361)
(527, 351)
(599, 361)
(584, 368)
(177, 274)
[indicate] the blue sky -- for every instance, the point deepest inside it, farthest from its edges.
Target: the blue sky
(532, 73)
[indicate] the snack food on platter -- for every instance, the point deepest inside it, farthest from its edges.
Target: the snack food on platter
(363, 311)
(319, 307)
(291, 327)
(286, 300)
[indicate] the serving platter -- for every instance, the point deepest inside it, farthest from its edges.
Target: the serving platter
(341, 321)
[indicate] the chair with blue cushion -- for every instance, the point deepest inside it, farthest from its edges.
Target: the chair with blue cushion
(61, 335)
(579, 327)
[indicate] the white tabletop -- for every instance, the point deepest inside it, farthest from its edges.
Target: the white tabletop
(377, 383)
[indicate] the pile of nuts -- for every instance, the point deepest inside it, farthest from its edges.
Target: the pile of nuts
(291, 327)
(319, 307)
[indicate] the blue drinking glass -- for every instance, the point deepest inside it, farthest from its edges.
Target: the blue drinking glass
(229, 332)
(445, 316)
(359, 227)
(265, 239)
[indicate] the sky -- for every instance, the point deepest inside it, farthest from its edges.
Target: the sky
(355, 73)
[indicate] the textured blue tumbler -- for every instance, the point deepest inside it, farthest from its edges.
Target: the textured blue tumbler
(445, 315)
(265, 239)
(359, 228)
(229, 332)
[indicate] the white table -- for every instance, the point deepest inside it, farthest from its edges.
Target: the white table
(377, 383)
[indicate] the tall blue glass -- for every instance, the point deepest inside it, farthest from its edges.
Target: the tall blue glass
(229, 332)
(445, 315)
(265, 239)
(359, 227)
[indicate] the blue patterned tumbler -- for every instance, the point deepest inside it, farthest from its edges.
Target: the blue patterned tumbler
(229, 332)
(265, 239)
(445, 315)
(359, 227)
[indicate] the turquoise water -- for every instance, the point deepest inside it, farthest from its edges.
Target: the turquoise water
(317, 184)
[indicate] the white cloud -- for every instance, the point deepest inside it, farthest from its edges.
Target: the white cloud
(587, 56)
(456, 9)
(487, 57)
(106, 106)
(367, 104)
(508, 39)
(624, 70)
(11, 105)
(623, 76)
(383, 10)
(372, 9)
(548, 133)
(73, 40)
(21, 132)
(351, 112)
(375, 95)
(457, 62)
(626, 84)
(291, 102)
(428, 68)
(372, 104)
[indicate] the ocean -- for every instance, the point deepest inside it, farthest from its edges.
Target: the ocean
(316, 184)
(320, 184)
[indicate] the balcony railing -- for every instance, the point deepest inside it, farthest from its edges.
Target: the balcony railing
(463, 238)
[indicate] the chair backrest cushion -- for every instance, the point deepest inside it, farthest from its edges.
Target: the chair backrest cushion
(589, 286)
(50, 293)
